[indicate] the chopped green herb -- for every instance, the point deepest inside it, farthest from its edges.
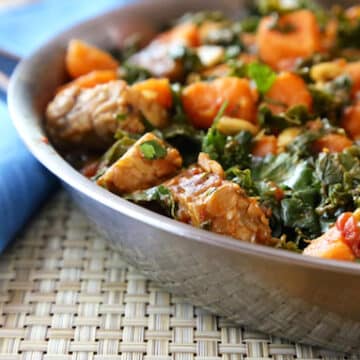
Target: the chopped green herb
(132, 73)
(262, 75)
(153, 150)
(187, 56)
(220, 112)
(160, 195)
(121, 117)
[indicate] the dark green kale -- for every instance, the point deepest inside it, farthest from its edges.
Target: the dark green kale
(303, 66)
(178, 114)
(348, 32)
(250, 24)
(243, 178)
(132, 73)
(228, 150)
(329, 101)
(301, 146)
(188, 58)
(339, 175)
(295, 116)
(115, 152)
(294, 213)
(158, 197)
(237, 68)
(186, 139)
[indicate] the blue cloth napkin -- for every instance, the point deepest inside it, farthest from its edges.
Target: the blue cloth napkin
(24, 183)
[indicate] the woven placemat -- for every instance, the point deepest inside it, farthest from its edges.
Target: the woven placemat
(65, 294)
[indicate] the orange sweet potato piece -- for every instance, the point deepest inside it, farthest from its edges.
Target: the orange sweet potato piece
(351, 121)
(92, 79)
(82, 58)
(186, 34)
(288, 90)
(331, 245)
(328, 38)
(202, 100)
(333, 143)
(353, 69)
(302, 41)
(159, 89)
(267, 144)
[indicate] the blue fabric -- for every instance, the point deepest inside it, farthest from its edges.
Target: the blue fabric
(24, 183)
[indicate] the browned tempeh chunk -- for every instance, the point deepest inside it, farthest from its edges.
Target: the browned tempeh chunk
(206, 200)
(133, 171)
(88, 117)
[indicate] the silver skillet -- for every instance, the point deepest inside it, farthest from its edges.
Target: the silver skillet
(304, 299)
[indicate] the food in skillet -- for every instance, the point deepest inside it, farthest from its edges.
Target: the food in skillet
(247, 128)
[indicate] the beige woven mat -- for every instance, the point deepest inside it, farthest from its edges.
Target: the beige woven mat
(64, 294)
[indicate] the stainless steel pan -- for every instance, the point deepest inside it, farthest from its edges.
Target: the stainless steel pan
(304, 299)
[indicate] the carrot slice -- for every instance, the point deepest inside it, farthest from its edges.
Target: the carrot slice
(331, 245)
(158, 88)
(333, 143)
(267, 144)
(302, 39)
(288, 90)
(202, 101)
(82, 58)
(92, 79)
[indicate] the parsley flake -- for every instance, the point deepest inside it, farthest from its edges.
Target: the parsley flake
(121, 117)
(153, 150)
(262, 75)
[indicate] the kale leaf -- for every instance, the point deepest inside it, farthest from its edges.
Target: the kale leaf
(115, 152)
(348, 34)
(156, 196)
(330, 100)
(132, 73)
(295, 116)
(228, 150)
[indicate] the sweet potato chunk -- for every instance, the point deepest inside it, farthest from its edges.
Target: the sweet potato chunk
(333, 143)
(330, 245)
(138, 170)
(156, 56)
(351, 121)
(82, 58)
(150, 102)
(158, 89)
(302, 39)
(92, 79)
(203, 100)
(267, 144)
(206, 200)
(186, 34)
(288, 90)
